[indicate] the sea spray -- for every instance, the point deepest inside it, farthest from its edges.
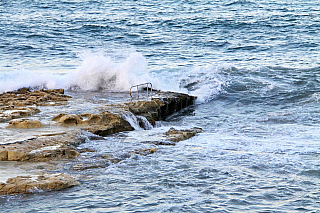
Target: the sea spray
(10, 81)
(99, 72)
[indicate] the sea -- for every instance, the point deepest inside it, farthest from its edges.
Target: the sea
(254, 66)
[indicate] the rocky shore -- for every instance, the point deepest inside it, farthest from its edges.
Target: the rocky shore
(18, 110)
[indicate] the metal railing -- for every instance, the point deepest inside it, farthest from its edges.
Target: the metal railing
(138, 85)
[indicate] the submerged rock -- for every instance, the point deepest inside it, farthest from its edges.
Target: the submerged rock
(175, 135)
(146, 151)
(91, 165)
(29, 184)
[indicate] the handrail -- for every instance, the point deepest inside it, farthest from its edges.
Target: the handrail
(137, 86)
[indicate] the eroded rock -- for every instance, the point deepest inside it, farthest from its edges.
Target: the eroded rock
(24, 102)
(175, 135)
(8, 113)
(29, 184)
(71, 119)
(24, 124)
(63, 146)
(42, 148)
(102, 124)
(26, 97)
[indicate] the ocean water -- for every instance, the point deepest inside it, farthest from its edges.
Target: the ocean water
(254, 66)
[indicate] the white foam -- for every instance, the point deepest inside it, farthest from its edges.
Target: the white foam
(101, 72)
(146, 123)
(10, 81)
(205, 83)
(96, 72)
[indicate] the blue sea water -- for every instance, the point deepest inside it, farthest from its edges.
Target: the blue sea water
(254, 66)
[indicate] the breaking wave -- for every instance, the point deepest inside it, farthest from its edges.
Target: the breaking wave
(97, 72)
(100, 72)
(205, 83)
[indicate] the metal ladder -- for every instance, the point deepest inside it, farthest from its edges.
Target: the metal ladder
(138, 85)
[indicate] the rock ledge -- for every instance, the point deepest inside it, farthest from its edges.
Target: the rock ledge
(29, 184)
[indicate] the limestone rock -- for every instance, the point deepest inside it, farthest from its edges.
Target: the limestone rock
(175, 135)
(3, 155)
(141, 107)
(71, 119)
(8, 113)
(42, 148)
(23, 90)
(16, 155)
(29, 184)
(24, 124)
(26, 97)
(102, 124)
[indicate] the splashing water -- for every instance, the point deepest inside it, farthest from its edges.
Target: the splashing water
(132, 119)
(99, 72)
(146, 124)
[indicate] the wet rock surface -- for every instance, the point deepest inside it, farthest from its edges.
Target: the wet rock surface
(29, 184)
(42, 148)
(24, 102)
(24, 124)
(175, 135)
(26, 97)
(63, 145)
(102, 124)
(11, 112)
(146, 151)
